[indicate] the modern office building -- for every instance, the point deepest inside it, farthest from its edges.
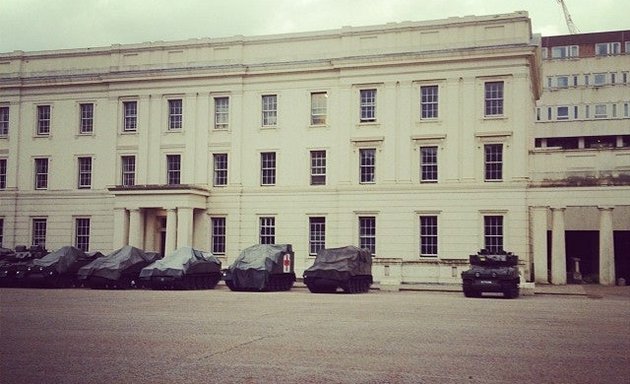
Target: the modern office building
(417, 140)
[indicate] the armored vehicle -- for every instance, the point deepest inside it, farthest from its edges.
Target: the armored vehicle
(492, 272)
(119, 269)
(262, 267)
(184, 268)
(348, 268)
(58, 269)
(16, 265)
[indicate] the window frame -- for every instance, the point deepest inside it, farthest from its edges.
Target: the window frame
(367, 234)
(367, 105)
(221, 113)
(493, 167)
(125, 173)
(175, 109)
(267, 230)
(429, 102)
(494, 98)
(173, 176)
(40, 174)
(367, 171)
(598, 111)
(431, 168)
(5, 116)
(319, 112)
(567, 51)
(220, 174)
(493, 240)
(564, 116)
(268, 168)
(318, 167)
(39, 229)
(430, 233)
(218, 235)
(129, 116)
(84, 172)
(316, 234)
(43, 119)
(3, 173)
(86, 118)
(269, 110)
(612, 48)
(81, 234)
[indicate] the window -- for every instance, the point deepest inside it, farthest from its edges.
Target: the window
(367, 105)
(627, 48)
(626, 109)
(367, 233)
(218, 236)
(367, 165)
(564, 52)
(4, 121)
(575, 80)
(268, 168)
(82, 234)
(562, 113)
(3, 174)
(603, 49)
(587, 111)
(493, 233)
(317, 234)
(221, 112)
(41, 173)
(601, 111)
(85, 172)
(429, 102)
(613, 78)
(428, 165)
(575, 112)
(175, 113)
(130, 116)
(428, 236)
(494, 98)
(318, 167)
(493, 162)
(86, 123)
(562, 81)
(586, 79)
(220, 161)
(599, 79)
(614, 110)
(43, 120)
(38, 235)
(624, 75)
(267, 230)
(173, 169)
(128, 170)
(1, 232)
(269, 110)
(319, 108)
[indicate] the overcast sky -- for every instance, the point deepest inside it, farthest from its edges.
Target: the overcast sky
(30, 25)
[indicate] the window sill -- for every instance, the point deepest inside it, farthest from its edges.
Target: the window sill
(130, 133)
(364, 124)
(428, 121)
(318, 126)
(494, 117)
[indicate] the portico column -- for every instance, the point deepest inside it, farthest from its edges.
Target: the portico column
(121, 234)
(539, 243)
(171, 231)
(184, 227)
(558, 248)
(606, 247)
(135, 228)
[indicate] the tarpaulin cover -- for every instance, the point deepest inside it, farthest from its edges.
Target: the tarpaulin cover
(112, 266)
(252, 267)
(340, 263)
(179, 262)
(62, 259)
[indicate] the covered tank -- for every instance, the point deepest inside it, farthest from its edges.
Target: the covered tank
(119, 269)
(58, 269)
(16, 264)
(348, 268)
(184, 268)
(262, 267)
(492, 272)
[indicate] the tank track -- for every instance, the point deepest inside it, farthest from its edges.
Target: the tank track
(357, 284)
(188, 282)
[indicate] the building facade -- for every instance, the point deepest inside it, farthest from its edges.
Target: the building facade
(416, 140)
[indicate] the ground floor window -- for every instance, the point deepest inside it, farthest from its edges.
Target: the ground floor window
(317, 234)
(38, 234)
(218, 235)
(267, 230)
(493, 233)
(367, 233)
(82, 234)
(428, 236)
(1, 232)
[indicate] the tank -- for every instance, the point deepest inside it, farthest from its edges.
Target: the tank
(348, 268)
(117, 270)
(262, 267)
(58, 269)
(492, 272)
(16, 265)
(184, 268)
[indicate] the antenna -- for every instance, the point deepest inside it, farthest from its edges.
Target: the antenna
(567, 17)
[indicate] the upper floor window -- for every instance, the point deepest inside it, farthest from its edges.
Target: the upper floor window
(43, 120)
(130, 116)
(603, 49)
(367, 105)
(599, 79)
(564, 52)
(128, 170)
(367, 233)
(175, 114)
(4, 121)
(82, 234)
(601, 111)
(220, 163)
(267, 226)
(428, 164)
(318, 167)
(218, 236)
(493, 233)
(221, 112)
(86, 122)
(269, 110)
(493, 98)
(562, 113)
(316, 234)
(429, 102)
(1, 232)
(367, 165)
(319, 108)
(428, 236)
(41, 173)
(562, 81)
(85, 172)
(3, 173)
(627, 47)
(493, 155)
(173, 169)
(38, 234)
(268, 168)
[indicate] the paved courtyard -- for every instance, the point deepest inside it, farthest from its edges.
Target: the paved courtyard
(142, 336)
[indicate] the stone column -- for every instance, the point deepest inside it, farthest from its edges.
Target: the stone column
(135, 228)
(171, 231)
(558, 248)
(184, 227)
(606, 247)
(538, 230)
(121, 229)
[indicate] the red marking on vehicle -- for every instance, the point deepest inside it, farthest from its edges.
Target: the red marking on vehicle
(286, 264)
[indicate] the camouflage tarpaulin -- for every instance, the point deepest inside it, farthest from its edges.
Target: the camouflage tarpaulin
(252, 267)
(112, 265)
(62, 259)
(341, 263)
(180, 261)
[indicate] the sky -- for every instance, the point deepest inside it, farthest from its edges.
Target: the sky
(33, 25)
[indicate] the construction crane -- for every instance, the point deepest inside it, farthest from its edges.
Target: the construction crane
(567, 17)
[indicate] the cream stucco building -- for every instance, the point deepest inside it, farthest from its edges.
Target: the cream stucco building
(417, 140)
